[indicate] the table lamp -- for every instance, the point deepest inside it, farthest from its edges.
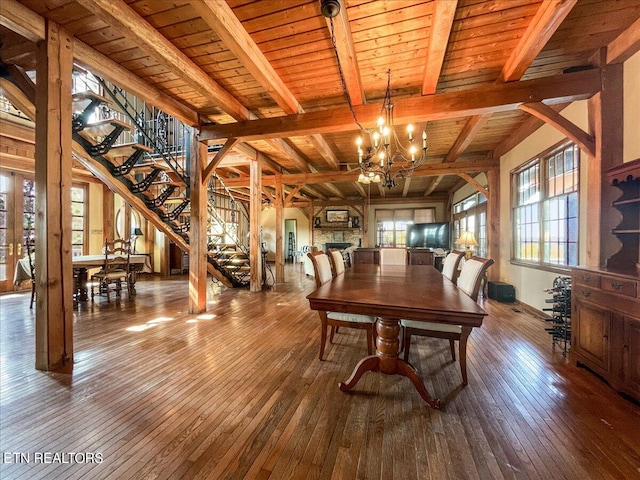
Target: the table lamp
(468, 239)
(135, 233)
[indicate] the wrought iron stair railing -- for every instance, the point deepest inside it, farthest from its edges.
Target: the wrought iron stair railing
(157, 163)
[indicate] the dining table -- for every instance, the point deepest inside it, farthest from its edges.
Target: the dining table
(82, 264)
(392, 293)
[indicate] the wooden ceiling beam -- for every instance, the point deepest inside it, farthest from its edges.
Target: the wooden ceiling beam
(474, 101)
(585, 141)
(31, 26)
(221, 19)
(215, 161)
(119, 15)
(434, 184)
(325, 151)
(441, 23)
(405, 188)
(625, 45)
(360, 189)
(281, 145)
(335, 190)
(471, 128)
(347, 55)
(527, 127)
(472, 181)
(20, 19)
(544, 24)
(251, 153)
(433, 169)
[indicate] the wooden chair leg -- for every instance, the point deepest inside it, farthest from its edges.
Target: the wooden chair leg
(333, 330)
(462, 346)
(452, 347)
(33, 293)
(323, 335)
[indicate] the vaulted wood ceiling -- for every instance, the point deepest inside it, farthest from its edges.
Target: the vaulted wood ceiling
(265, 72)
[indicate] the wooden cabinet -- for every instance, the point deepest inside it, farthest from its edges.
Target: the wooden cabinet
(592, 332)
(605, 326)
(420, 256)
(631, 356)
(626, 178)
(366, 256)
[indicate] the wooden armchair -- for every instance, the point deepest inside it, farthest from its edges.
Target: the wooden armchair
(323, 274)
(469, 282)
(115, 270)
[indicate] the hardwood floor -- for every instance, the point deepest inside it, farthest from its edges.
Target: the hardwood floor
(159, 393)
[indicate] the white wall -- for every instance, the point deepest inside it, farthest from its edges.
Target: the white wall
(95, 218)
(529, 282)
(268, 222)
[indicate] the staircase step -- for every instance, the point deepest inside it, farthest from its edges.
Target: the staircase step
(82, 99)
(126, 149)
(175, 200)
(168, 182)
(105, 127)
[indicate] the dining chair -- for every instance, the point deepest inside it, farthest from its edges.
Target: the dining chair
(451, 264)
(30, 245)
(393, 256)
(323, 274)
(115, 270)
(469, 281)
(337, 262)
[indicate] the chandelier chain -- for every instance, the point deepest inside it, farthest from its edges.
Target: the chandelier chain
(343, 82)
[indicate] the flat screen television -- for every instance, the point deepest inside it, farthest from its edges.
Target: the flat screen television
(429, 235)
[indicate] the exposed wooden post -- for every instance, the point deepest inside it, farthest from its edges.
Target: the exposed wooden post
(279, 230)
(198, 231)
(255, 207)
(493, 223)
(108, 214)
(54, 271)
(605, 119)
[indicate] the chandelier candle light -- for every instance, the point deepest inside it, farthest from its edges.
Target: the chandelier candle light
(385, 148)
(376, 160)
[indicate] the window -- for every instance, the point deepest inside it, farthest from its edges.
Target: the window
(78, 235)
(391, 225)
(470, 215)
(545, 208)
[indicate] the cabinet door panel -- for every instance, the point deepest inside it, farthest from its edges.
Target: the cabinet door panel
(631, 356)
(592, 337)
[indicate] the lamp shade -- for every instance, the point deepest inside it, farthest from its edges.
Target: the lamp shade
(468, 239)
(137, 231)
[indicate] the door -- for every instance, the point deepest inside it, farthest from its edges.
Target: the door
(17, 217)
(290, 235)
(592, 325)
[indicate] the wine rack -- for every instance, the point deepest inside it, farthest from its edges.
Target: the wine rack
(560, 319)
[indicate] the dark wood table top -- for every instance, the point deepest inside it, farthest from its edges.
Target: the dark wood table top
(416, 292)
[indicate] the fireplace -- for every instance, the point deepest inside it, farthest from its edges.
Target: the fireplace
(338, 245)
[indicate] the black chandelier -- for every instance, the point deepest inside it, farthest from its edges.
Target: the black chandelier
(384, 158)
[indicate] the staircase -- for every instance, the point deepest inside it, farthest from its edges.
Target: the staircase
(142, 154)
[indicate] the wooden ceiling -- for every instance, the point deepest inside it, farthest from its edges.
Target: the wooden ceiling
(265, 72)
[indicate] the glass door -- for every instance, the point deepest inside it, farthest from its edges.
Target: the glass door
(17, 221)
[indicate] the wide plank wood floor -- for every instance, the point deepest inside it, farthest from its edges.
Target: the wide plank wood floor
(241, 394)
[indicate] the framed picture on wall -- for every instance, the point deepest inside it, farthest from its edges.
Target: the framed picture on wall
(337, 216)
